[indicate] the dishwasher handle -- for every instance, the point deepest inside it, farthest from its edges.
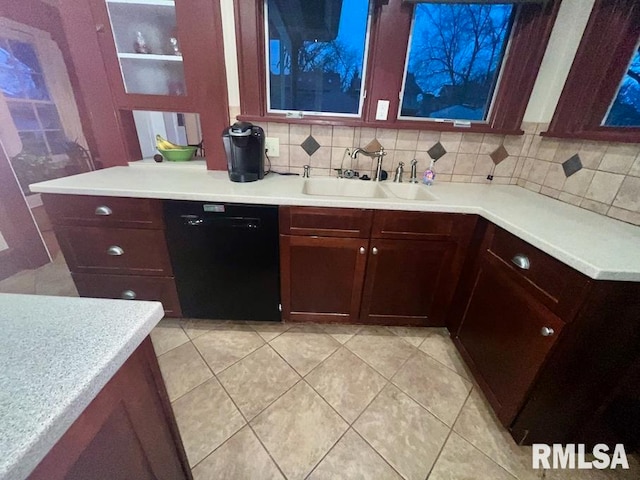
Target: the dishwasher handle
(245, 223)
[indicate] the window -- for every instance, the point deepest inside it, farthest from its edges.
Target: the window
(34, 114)
(441, 64)
(316, 55)
(601, 97)
(453, 64)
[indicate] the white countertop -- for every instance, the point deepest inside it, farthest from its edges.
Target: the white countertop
(600, 247)
(56, 354)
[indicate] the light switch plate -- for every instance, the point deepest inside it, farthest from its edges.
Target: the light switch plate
(272, 145)
(382, 112)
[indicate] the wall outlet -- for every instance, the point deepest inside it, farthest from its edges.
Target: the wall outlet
(273, 146)
(382, 112)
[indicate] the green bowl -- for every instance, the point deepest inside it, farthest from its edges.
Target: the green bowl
(179, 154)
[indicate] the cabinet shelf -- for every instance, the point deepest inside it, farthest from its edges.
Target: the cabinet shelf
(150, 56)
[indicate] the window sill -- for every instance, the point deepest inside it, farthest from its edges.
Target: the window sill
(601, 135)
(397, 125)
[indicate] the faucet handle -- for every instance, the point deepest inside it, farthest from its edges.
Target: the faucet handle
(305, 172)
(414, 162)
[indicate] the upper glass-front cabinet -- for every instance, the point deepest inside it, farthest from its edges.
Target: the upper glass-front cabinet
(148, 46)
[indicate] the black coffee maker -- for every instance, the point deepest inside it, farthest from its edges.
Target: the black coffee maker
(244, 145)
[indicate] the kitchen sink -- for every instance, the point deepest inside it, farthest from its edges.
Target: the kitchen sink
(410, 191)
(336, 187)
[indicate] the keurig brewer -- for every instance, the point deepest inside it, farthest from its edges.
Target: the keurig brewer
(244, 146)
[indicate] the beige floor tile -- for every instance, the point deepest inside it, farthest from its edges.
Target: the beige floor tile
(298, 429)
(381, 349)
(413, 335)
(304, 347)
(270, 330)
(21, 282)
(242, 457)
(206, 417)
(195, 327)
(168, 335)
(224, 346)
(439, 345)
(436, 387)
(258, 380)
(342, 333)
(352, 458)
(405, 434)
(346, 383)
(460, 460)
(182, 370)
(478, 425)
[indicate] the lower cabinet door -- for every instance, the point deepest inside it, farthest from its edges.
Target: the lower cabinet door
(321, 278)
(404, 282)
(130, 287)
(505, 337)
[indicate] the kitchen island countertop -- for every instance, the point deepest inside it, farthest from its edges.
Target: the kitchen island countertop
(600, 247)
(57, 353)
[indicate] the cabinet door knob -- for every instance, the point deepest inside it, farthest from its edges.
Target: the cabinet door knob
(103, 211)
(521, 261)
(362, 250)
(115, 251)
(128, 295)
(547, 331)
(374, 250)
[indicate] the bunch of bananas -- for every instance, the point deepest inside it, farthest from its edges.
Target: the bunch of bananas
(164, 144)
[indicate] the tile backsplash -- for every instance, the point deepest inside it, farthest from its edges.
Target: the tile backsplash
(599, 176)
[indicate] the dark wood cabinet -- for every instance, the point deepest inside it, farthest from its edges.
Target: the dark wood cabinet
(379, 267)
(115, 247)
(127, 432)
(548, 346)
(322, 278)
(505, 337)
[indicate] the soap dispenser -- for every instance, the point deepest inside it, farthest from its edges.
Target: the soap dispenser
(429, 175)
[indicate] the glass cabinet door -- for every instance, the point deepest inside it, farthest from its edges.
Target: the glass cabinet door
(148, 46)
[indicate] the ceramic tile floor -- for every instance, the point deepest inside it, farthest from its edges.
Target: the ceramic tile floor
(273, 401)
(50, 279)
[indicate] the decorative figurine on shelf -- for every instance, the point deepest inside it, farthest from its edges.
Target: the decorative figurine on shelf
(174, 45)
(140, 45)
(429, 175)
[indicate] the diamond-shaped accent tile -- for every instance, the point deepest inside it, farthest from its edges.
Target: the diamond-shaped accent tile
(373, 146)
(499, 154)
(437, 151)
(571, 166)
(310, 145)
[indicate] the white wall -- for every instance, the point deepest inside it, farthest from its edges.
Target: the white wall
(565, 37)
(563, 44)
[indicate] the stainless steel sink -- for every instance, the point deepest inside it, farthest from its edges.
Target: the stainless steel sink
(410, 191)
(337, 187)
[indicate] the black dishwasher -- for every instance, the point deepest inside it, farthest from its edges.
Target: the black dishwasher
(225, 259)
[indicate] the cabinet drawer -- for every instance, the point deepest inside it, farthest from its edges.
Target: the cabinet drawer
(104, 211)
(130, 287)
(114, 250)
(419, 225)
(326, 222)
(556, 282)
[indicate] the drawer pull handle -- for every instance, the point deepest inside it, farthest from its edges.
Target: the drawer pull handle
(128, 295)
(521, 261)
(374, 250)
(362, 250)
(115, 251)
(103, 211)
(547, 331)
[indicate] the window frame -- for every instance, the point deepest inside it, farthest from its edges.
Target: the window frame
(388, 44)
(609, 41)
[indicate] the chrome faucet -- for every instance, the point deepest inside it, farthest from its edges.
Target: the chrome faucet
(377, 155)
(399, 171)
(305, 172)
(414, 171)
